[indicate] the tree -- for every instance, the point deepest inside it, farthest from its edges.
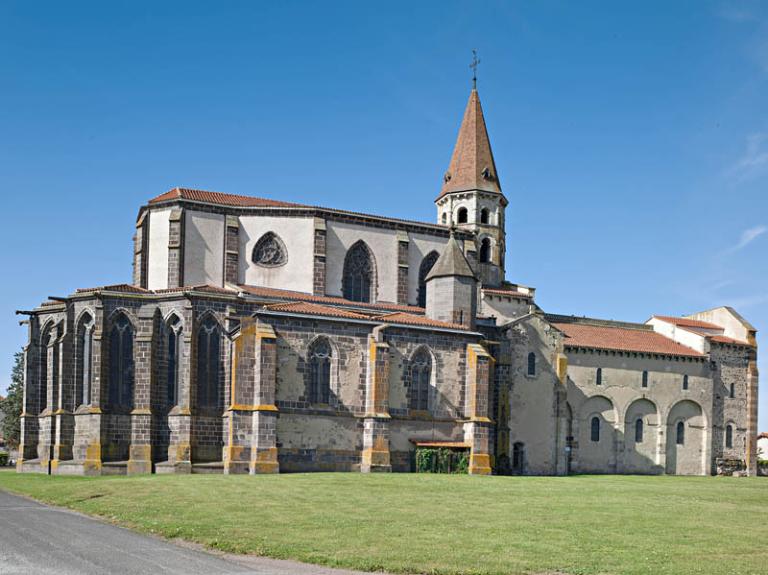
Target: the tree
(10, 407)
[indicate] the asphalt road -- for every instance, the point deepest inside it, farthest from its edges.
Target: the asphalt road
(37, 539)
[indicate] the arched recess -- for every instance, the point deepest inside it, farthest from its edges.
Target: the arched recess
(484, 255)
(48, 393)
(485, 216)
(359, 277)
(420, 377)
(172, 359)
(686, 439)
(121, 368)
(84, 358)
(426, 265)
(209, 367)
(321, 381)
(641, 437)
(462, 215)
(597, 456)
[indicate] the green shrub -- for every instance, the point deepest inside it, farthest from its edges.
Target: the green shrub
(441, 460)
(3, 459)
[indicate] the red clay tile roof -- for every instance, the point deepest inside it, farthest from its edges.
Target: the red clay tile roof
(303, 296)
(472, 166)
(687, 322)
(507, 292)
(126, 288)
(726, 339)
(410, 319)
(200, 288)
(622, 339)
(309, 308)
(220, 198)
(235, 200)
(315, 309)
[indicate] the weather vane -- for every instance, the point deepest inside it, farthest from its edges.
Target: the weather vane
(473, 65)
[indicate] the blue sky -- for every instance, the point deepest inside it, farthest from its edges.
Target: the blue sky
(631, 138)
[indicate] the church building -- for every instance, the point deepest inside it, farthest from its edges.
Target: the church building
(262, 336)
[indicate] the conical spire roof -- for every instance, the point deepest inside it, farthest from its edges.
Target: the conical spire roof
(452, 262)
(472, 166)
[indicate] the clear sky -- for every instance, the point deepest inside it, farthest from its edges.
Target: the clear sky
(631, 139)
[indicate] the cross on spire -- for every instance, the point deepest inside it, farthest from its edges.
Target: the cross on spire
(473, 65)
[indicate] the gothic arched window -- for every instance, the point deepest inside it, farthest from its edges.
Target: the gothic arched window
(269, 251)
(173, 348)
(639, 431)
(121, 366)
(680, 433)
(685, 382)
(359, 277)
(645, 379)
(48, 360)
(599, 376)
(595, 429)
(426, 265)
(209, 364)
(320, 355)
(83, 355)
(485, 251)
(462, 216)
(531, 363)
(484, 218)
(729, 436)
(445, 218)
(421, 373)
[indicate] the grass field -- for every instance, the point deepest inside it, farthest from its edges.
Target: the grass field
(441, 523)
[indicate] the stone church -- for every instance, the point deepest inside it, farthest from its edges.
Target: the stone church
(262, 336)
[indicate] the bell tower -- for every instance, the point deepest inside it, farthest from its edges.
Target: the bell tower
(471, 198)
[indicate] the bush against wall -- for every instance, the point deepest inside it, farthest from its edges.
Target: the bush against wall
(10, 407)
(441, 460)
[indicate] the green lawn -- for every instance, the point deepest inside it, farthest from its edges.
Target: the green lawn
(441, 523)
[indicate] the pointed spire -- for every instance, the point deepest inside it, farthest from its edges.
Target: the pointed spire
(472, 166)
(452, 262)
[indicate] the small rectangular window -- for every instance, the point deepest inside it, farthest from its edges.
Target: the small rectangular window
(685, 382)
(645, 379)
(599, 376)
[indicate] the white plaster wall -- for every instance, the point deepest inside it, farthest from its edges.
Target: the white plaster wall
(298, 235)
(157, 264)
(420, 246)
(203, 249)
(682, 336)
(723, 317)
(504, 308)
(762, 447)
(340, 236)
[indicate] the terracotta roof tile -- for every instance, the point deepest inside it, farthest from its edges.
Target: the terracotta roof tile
(726, 339)
(622, 339)
(240, 201)
(410, 319)
(200, 288)
(472, 166)
(315, 309)
(303, 296)
(220, 198)
(126, 288)
(687, 322)
(507, 292)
